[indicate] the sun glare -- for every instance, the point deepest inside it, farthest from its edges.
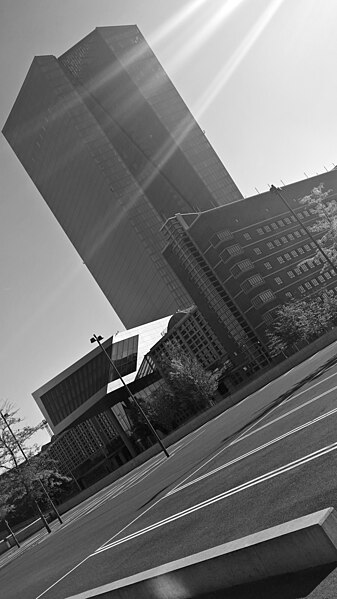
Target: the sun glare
(200, 38)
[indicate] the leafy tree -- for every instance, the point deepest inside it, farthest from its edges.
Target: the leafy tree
(20, 481)
(324, 208)
(192, 385)
(302, 321)
(186, 389)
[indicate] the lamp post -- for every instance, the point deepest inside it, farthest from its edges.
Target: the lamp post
(4, 418)
(98, 339)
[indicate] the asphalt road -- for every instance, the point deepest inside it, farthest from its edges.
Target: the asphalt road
(246, 470)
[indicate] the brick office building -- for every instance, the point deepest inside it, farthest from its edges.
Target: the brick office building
(241, 261)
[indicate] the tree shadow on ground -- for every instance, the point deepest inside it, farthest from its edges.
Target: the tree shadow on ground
(289, 586)
(153, 497)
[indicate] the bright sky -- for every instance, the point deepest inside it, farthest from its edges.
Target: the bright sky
(259, 76)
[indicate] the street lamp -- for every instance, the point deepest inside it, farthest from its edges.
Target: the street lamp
(98, 339)
(4, 418)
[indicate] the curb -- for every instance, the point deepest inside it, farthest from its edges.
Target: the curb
(296, 545)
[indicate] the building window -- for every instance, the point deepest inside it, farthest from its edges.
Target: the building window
(277, 242)
(241, 267)
(267, 265)
(321, 279)
(270, 245)
(247, 236)
(315, 282)
(280, 260)
(287, 257)
(263, 298)
(304, 267)
(289, 295)
(308, 285)
(233, 250)
(267, 229)
(260, 231)
(278, 280)
(274, 226)
(252, 282)
(294, 254)
(224, 235)
(284, 240)
(255, 280)
(280, 223)
(290, 274)
(291, 237)
(301, 288)
(257, 251)
(287, 221)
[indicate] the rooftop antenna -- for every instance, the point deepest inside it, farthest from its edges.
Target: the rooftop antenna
(306, 175)
(282, 182)
(256, 189)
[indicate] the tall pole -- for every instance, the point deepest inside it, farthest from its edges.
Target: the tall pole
(11, 532)
(277, 191)
(3, 416)
(98, 340)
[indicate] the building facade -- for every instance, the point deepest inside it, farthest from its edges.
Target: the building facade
(241, 261)
(191, 332)
(114, 152)
(85, 406)
(90, 386)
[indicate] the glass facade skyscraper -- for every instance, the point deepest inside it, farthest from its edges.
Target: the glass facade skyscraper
(114, 152)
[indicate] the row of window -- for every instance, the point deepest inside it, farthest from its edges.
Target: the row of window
(271, 245)
(227, 235)
(283, 222)
(314, 282)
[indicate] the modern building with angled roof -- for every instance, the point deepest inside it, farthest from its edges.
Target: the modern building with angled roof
(114, 152)
(90, 386)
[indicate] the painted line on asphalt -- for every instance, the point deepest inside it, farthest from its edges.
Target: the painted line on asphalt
(161, 498)
(253, 451)
(246, 432)
(212, 500)
(310, 401)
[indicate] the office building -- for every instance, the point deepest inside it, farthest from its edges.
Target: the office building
(85, 406)
(241, 261)
(190, 331)
(114, 152)
(90, 386)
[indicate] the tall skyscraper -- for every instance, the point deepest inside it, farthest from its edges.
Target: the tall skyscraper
(114, 151)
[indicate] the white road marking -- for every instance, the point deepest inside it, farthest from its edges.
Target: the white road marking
(252, 451)
(200, 431)
(251, 483)
(316, 398)
(246, 432)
